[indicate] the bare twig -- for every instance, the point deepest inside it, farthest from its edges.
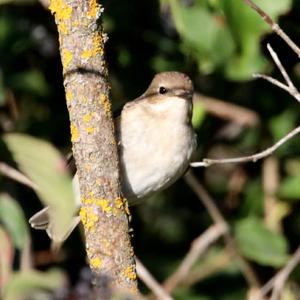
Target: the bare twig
(271, 180)
(228, 111)
(16, 175)
(198, 248)
(289, 86)
(254, 157)
(207, 268)
(217, 217)
(151, 282)
(275, 27)
(277, 282)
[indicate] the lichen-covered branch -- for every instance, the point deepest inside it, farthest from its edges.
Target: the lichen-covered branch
(104, 212)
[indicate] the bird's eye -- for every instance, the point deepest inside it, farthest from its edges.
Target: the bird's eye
(162, 90)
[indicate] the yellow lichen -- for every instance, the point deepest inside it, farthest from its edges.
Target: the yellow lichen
(74, 133)
(90, 129)
(86, 54)
(96, 47)
(67, 57)
(75, 23)
(106, 104)
(104, 204)
(98, 181)
(119, 202)
(97, 43)
(87, 118)
(129, 273)
(82, 214)
(69, 96)
(88, 218)
(86, 201)
(95, 262)
(61, 10)
(106, 247)
(94, 8)
(62, 28)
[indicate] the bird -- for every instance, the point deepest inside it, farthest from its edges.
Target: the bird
(155, 138)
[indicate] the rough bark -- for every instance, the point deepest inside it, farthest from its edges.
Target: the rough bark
(104, 212)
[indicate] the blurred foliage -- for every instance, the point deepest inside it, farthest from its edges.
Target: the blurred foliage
(219, 44)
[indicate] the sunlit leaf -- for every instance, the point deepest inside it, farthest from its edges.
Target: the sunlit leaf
(45, 167)
(12, 216)
(32, 81)
(290, 188)
(259, 244)
(247, 28)
(6, 258)
(198, 114)
(280, 125)
(210, 47)
(23, 285)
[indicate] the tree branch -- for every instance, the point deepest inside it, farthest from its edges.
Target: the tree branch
(151, 282)
(16, 175)
(198, 248)
(274, 26)
(217, 217)
(228, 111)
(277, 282)
(206, 162)
(104, 211)
(289, 86)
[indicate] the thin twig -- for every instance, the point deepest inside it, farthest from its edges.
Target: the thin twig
(289, 86)
(198, 248)
(275, 27)
(255, 157)
(217, 217)
(151, 282)
(227, 111)
(16, 175)
(278, 281)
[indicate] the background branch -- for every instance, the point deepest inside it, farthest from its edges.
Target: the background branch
(16, 175)
(198, 248)
(275, 27)
(151, 282)
(254, 157)
(217, 217)
(289, 86)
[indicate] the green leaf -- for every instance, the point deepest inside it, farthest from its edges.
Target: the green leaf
(198, 114)
(12, 217)
(253, 199)
(23, 285)
(210, 47)
(32, 81)
(43, 164)
(6, 258)
(283, 123)
(290, 188)
(259, 244)
(292, 166)
(280, 125)
(247, 28)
